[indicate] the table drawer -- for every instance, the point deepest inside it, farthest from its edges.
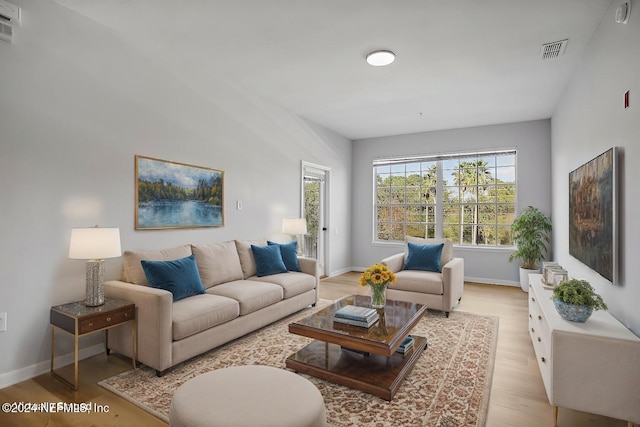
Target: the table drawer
(104, 320)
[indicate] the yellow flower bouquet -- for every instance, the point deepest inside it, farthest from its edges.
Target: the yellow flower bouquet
(377, 277)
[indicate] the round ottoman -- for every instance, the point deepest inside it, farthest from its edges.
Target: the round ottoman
(247, 396)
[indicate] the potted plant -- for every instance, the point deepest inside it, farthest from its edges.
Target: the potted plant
(576, 299)
(531, 234)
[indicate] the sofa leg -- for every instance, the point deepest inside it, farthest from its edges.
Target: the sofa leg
(446, 313)
(160, 373)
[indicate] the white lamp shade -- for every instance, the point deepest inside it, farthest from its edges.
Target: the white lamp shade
(95, 243)
(294, 226)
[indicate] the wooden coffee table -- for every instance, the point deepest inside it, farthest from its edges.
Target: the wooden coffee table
(360, 358)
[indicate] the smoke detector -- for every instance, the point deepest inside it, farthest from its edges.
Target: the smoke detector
(554, 49)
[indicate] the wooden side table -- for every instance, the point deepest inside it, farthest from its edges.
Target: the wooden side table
(78, 320)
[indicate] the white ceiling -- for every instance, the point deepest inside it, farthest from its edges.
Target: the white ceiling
(459, 63)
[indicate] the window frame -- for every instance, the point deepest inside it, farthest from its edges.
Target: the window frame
(402, 168)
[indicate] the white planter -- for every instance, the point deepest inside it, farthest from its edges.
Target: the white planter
(524, 278)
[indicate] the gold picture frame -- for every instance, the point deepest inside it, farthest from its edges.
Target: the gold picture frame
(177, 195)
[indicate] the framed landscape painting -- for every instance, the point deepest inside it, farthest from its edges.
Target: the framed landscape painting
(593, 214)
(177, 195)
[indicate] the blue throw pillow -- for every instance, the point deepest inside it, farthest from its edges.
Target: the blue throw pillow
(424, 257)
(289, 253)
(179, 276)
(268, 260)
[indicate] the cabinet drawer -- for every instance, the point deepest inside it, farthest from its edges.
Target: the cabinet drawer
(544, 362)
(540, 333)
(104, 320)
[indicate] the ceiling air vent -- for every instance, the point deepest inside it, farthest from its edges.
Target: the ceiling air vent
(553, 50)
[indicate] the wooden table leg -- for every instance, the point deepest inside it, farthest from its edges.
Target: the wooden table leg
(555, 416)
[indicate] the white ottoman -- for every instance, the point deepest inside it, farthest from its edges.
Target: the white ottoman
(256, 396)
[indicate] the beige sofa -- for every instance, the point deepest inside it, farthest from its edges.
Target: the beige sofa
(235, 302)
(437, 290)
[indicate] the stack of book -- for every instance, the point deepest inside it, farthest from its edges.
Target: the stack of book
(356, 316)
(406, 345)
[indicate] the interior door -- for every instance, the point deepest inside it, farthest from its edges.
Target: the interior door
(315, 211)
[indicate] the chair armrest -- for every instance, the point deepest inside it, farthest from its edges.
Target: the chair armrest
(453, 281)
(394, 262)
(154, 315)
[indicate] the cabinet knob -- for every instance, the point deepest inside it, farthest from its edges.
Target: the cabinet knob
(533, 299)
(539, 339)
(543, 360)
(530, 317)
(533, 330)
(108, 319)
(90, 324)
(126, 315)
(539, 317)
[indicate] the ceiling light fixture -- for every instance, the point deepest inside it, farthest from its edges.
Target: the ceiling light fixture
(380, 58)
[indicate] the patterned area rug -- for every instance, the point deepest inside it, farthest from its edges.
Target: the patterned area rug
(448, 387)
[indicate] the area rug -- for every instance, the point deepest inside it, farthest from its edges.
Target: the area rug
(448, 387)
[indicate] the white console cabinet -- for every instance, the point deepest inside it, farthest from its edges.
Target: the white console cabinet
(592, 367)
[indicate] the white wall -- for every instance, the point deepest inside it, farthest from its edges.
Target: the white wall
(76, 106)
(533, 143)
(589, 120)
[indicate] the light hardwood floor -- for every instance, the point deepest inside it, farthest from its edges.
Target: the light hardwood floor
(517, 398)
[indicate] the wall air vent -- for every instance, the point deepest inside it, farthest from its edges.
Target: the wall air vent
(9, 15)
(6, 31)
(553, 50)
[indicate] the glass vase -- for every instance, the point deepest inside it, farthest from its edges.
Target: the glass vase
(378, 295)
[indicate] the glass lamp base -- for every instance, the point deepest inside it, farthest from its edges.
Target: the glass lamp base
(95, 283)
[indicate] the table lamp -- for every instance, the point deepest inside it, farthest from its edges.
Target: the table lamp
(95, 244)
(296, 227)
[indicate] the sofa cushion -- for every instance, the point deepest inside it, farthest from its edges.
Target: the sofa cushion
(268, 260)
(289, 253)
(132, 271)
(245, 254)
(427, 282)
(423, 257)
(293, 283)
(201, 312)
(447, 249)
(250, 295)
(178, 276)
(218, 263)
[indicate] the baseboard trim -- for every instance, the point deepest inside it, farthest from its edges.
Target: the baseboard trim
(13, 377)
(491, 281)
(342, 271)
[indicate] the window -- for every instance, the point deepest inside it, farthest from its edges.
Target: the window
(468, 198)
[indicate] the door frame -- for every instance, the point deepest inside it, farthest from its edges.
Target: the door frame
(326, 208)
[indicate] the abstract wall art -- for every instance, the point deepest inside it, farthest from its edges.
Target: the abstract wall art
(593, 206)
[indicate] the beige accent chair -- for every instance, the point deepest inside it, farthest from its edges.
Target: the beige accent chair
(438, 291)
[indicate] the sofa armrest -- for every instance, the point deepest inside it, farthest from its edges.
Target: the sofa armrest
(453, 281)
(310, 266)
(154, 315)
(394, 262)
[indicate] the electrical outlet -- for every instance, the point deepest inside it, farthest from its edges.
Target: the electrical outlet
(3, 322)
